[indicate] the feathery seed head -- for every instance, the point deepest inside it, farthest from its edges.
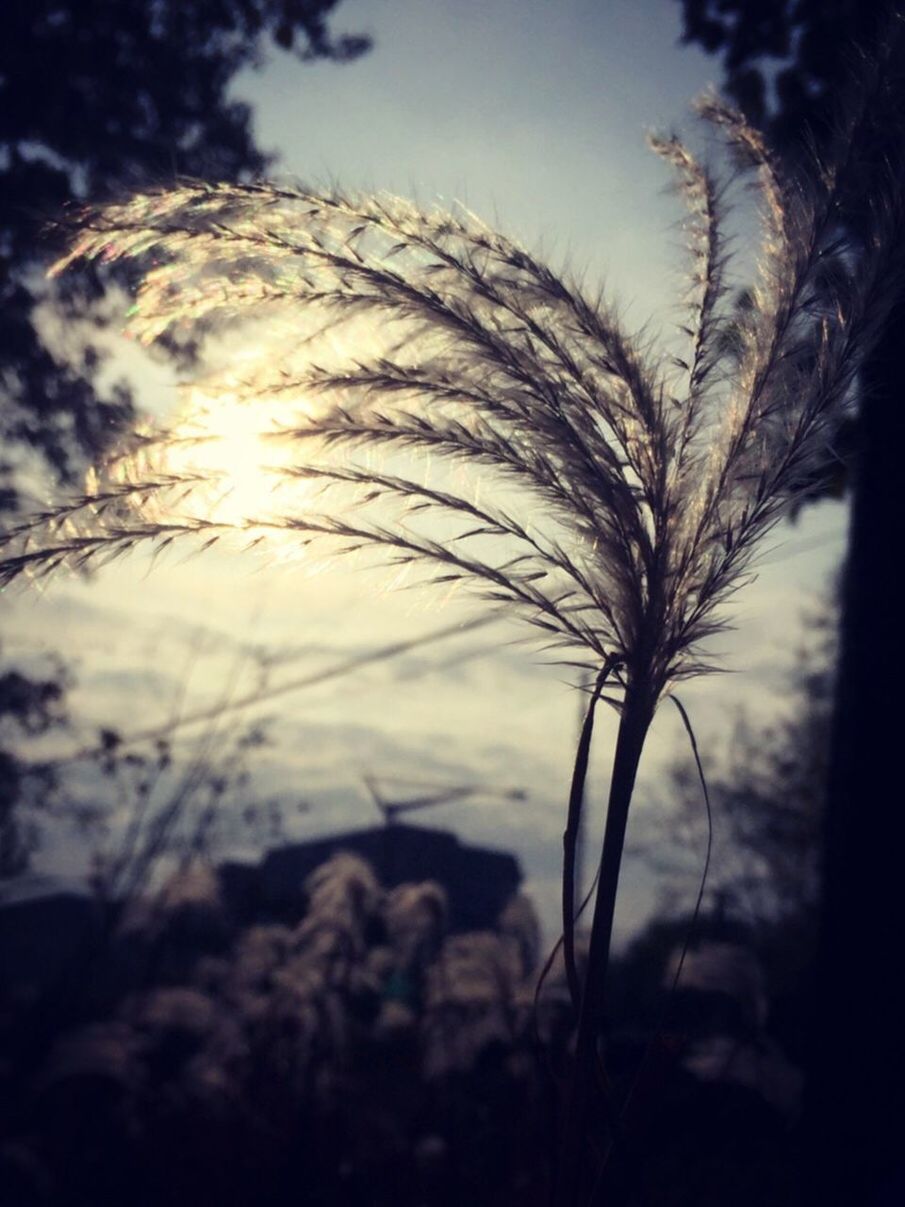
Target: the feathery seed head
(428, 388)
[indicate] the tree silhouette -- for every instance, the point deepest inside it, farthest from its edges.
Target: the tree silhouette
(96, 96)
(784, 62)
(862, 908)
(767, 796)
(29, 707)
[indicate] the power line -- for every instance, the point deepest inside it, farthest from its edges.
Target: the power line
(784, 553)
(345, 667)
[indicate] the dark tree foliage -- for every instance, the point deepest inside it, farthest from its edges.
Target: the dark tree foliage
(784, 62)
(29, 707)
(97, 96)
(767, 799)
(856, 1089)
(788, 66)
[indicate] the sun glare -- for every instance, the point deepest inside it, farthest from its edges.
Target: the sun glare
(227, 447)
(241, 461)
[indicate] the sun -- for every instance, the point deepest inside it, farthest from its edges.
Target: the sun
(225, 456)
(239, 452)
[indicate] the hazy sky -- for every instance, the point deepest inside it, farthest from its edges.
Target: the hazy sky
(534, 114)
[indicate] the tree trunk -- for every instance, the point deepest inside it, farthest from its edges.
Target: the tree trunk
(855, 1096)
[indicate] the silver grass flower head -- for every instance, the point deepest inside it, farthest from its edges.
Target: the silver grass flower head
(344, 888)
(418, 909)
(463, 410)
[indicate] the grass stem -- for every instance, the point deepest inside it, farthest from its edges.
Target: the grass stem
(574, 1176)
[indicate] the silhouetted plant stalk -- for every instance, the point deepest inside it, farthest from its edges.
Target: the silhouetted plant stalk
(611, 498)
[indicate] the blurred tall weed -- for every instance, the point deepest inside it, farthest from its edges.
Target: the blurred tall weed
(611, 495)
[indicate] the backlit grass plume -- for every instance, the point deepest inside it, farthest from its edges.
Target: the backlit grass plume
(612, 496)
(484, 418)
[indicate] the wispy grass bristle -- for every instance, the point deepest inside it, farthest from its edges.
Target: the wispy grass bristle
(647, 496)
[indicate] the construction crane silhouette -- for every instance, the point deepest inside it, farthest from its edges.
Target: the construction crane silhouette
(384, 792)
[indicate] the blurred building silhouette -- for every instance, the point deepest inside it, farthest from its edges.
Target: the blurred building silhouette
(479, 882)
(49, 927)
